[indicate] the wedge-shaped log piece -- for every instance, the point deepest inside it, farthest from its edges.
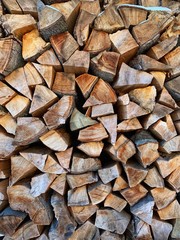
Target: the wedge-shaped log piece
(17, 24)
(6, 93)
(59, 112)
(28, 7)
(172, 29)
(135, 173)
(51, 21)
(174, 180)
(81, 214)
(10, 220)
(43, 98)
(98, 192)
(104, 65)
(101, 93)
(43, 236)
(164, 130)
(158, 79)
(33, 45)
(106, 235)
(57, 140)
(98, 41)
(20, 168)
(3, 193)
(49, 58)
(51, 166)
(87, 230)
(81, 163)
(6, 145)
(33, 77)
(64, 45)
(112, 220)
(91, 7)
(82, 26)
(129, 125)
(12, 6)
(172, 211)
(173, 145)
(166, 99)
(109, 173)
(41, 183)
(5, 169)
(122, 150)
(8, 123)
(150, 3)
(92, 149)
(58, 227)
(109, 21)
(147, 147)
(86, 83)
(161, 229)
(154, 179)
(17, 80)
(115, 202)
(60, 184)
(124, 43)
(78, 63)
(173, 88)
(78, 197)
(129, 78)
(29, 130)
(64, 157)
(119, 184)
(11, 55)
(144, 209)
(93, 133)
(21, 199)
(175, 115)
(159, 50)
(134, 194)
(175, 232)
(132, 15)
(79, 180)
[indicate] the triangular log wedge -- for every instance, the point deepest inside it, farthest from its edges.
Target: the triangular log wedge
(154, 179)
(92, 149)
(129, 125)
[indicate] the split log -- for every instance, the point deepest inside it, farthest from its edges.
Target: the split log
(3, 193)
(173, 88)
(106, 235)
(78, 197)
(59, 184)
(98, 192)
(92, 149)
(43, 236)
(6, 93)
(129, 125)
(92, 7)
(175, 115)
(172, 211)
(79, 180)
(175, 232)
(177, 126)
(52, 167)
(5, 169)
(119, 184)
(124, 43)
(154, 179)
(33, 77)
(64, 157)
(150, 3)
(172, 29)
(12, 6)
(28, 8)
(166, 99)
(109, 173)
(115, 202)
(161, 229)
(174, 180)
(173, 145)
(8, 123)
(158, 79)
(6, 145)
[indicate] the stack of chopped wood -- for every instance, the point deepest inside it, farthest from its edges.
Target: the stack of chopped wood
(89, 120)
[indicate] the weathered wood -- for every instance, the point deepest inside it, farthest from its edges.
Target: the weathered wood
(28, 7)
(78, 197)
(6, 145)
(5, 169)
(6, 93)
(3, 193)
(149, 3)
(109, 173)
(59, 184)
(79, 180)
(106, 235)
(172, 29)
(92, 149)
(12, 6)
(92, 7)
(33, 77)
(51, 166)
(64, 157)
(173, 88)
(158, 79)
(172, 211)
(154, 179)
(129, 125)
(175, 232)
(119, 184)
(161, 229)
(173, 145)
(166, 99)
(115, 202)
(8, 123)
(173, 180)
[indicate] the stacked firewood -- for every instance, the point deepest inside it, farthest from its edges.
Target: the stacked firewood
(89, 120)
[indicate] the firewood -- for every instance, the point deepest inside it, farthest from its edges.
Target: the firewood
(57, 140)
(33, 45)
(112, 221)
(109, 21)
(60, 184)
(109, 173)
(135, 173)
(51, 166)
(119, 184)
(175, 232)
(58, 113)
(8, 123)
(51, 21)
(177, 126)
(98, 41)
(20, 168)
(21, 199)
(78, 63)
(82, 26)
(41, 183)
(161, 229)
(124, 43)
(64, 157)
(6, 145)
(172, 211)
(87, 230)
(28, 8)
(93, 133)
(129, 78)
(5, 169)
(43, 98)
(166, 99)
(10, 220)
(86, 83)
(173, 180)
(64, 45)
(17, 24)
(12, 6)
(28, 130)
(158, 79)
(129, 125)
(175, 115)
(144, 209)
(170, 146)
(18, 106)
(47, 72)
(173, 88)
(3, 191)
(98, 192)
(79, 180)
(81, 214)
(164, 130)
(106, 235)
(43, 236)
(11, 56)
(122, 150)
(82, 164)
(6, 93)
(33, 77)
(104, 65)
(115, 202)
(154, 179)
(92, 149)
(132, 15)
(49, 58)
(150, 3)
(78, 197)
(134, 194)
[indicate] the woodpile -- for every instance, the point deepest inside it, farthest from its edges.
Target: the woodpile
(89, 119)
